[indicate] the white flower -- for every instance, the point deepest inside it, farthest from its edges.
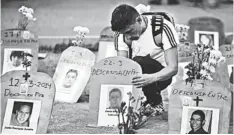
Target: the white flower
(85, 30)
(221, 60)
(30, 10)
(142, 8)
(205, 65)
(209, 78)
(81, 30)
(74, 41)
(29, 16)
(203, 72)
(77, 28)
(212, 69)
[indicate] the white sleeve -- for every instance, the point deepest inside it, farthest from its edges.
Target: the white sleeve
(122, 46)
(170, 37)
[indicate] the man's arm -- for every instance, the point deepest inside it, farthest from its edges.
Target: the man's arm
(166, 73)
(171, 58)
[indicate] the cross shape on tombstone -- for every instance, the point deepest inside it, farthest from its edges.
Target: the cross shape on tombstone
(197, 100)
(26, 76)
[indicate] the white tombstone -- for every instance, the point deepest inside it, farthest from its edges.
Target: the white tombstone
(106, 44)
(72, 73)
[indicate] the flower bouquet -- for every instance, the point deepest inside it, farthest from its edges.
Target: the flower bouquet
(182, 31)
(26, 15)
(135, 116)
(204, 63)
(81, 33)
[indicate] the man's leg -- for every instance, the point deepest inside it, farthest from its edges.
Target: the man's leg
(152, 91)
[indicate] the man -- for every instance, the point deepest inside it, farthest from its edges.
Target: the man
(17, 58)
(197, 122)
(159, 63)
(115, 98)
(22, 115)
(70, 78)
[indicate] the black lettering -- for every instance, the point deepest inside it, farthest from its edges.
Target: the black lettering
(174, 91)
(7, 92)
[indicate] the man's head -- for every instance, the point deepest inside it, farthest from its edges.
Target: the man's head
(23, 113)
(197, 120)
(70, 78)
(115, 97)
(17, 58)
(126, 20)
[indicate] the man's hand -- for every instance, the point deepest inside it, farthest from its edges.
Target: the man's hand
(142, 80)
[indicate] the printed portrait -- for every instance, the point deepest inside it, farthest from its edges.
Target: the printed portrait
(14, 58)
(21, 116)
(199, 120)
(70, 78)
(207, 38)
(111, 97)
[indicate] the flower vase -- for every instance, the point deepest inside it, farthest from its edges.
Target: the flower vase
(23, 22)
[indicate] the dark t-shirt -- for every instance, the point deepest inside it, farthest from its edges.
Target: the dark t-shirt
(199, 131)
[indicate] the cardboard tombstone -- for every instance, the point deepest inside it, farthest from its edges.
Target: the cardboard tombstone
(214, 96)
(16, 45)
(72, 73)
(26, 100)
(227, 52)
(209, 24)
(107, 74)
(106, 44)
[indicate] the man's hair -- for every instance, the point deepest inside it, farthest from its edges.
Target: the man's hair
(115, 90)
(123, 16)
(200, 113)
(19, 54)
(25, 104)
(72, 70)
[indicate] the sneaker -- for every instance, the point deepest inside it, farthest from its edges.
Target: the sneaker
(153, 110)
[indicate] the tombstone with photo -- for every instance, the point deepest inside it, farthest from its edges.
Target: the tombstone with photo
(27, 100)
(16, 46)
(227, 52)
(208, 94)
(209, 24)
(110, 73)
(106, 44)
(72, 73)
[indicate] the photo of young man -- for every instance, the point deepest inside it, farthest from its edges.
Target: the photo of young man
(23, 111)
(70, 78)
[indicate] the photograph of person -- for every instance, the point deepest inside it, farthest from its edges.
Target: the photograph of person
(13, 59)
(111, 97)
(70, 78)
(21, 114)
(207, 38)
(115, 98)
(199, 120)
